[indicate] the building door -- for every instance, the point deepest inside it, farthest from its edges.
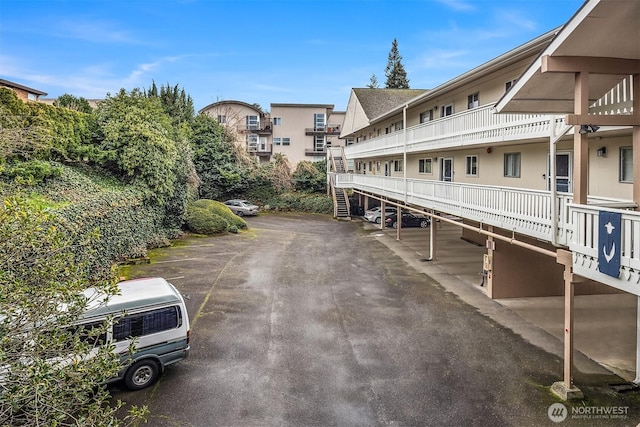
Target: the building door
(386, 169)
(564, 173)
(446, 169)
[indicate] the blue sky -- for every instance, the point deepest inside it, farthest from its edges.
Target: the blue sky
(258, 51)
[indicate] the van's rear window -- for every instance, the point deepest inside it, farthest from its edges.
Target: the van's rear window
(146, 323)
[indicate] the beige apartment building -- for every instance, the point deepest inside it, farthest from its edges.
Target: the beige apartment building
(297, 131)
(534, 155)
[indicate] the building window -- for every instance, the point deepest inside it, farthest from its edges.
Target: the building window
(397, 165)
(399, 125)
(32, 96)
(424, 166)
(427, 116)
(318, 121)
(277, 121)
(222, 119)
(472, 166)
(281, 141)
(252, 140)
(509, 85)
(512, 165)
(626, 164)
(447, 110)
(253, 123)
(473, 100)
(318, 143)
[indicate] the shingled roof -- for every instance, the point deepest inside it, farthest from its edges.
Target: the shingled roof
(376, 102)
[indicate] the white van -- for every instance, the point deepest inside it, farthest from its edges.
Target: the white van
(152, 313)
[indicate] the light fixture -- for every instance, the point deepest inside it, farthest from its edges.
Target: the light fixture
(602, 152)
(588, 129)
(489, 150)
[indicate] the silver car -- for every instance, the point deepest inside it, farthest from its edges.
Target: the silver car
(374, 214)
(242, 207)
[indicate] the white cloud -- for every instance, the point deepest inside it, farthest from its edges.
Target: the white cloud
(459, 5)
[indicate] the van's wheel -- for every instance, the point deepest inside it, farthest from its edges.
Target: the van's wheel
(142, 374)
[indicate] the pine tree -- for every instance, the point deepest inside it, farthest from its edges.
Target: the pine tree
(395, 72)
(373, 82)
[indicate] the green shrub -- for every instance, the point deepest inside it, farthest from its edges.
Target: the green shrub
(222, 210)
(204, 221)
(301, 202)
(32, 171)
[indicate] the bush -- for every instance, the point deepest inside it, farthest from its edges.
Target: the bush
(204, 221)
(206, 216)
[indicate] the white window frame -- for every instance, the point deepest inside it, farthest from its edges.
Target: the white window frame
(625, 173)
(277, 121)
(512, 165)
(473, 100)
(425, 166)
(508, 85)
(398, 166)
(471, 165)
(447, 110)
(222, 119)
(286, 141)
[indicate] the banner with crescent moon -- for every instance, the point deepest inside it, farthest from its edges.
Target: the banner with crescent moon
(609, 240)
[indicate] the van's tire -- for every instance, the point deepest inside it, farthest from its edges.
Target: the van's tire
(142, 374)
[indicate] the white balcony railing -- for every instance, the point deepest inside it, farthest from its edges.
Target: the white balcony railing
(477, 126)
(521, 211)
(482, 126)
(585, 247)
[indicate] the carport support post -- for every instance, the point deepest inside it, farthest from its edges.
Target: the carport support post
(565, 389)
(399, 223)
(432, 238)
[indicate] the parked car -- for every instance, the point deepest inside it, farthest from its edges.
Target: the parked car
(409, 219)
(242, 207)
(374, 214)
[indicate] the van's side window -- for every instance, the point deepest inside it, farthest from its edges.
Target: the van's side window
(150, 322)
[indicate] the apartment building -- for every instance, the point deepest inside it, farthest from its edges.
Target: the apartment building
(297, 131)
(531, 153)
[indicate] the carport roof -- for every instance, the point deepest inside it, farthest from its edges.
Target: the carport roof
(601, 30)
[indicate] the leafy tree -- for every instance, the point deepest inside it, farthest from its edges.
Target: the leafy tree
(310, 177)
(46, 374)
(139, 143)
(216, 161)
(177, 104)
(73, 103)
(373, 82)
(395, 72)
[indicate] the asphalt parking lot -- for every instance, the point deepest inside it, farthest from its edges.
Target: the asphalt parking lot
(303, 320)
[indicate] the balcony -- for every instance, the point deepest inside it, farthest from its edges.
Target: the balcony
(315, 152)
(260, 129)
(323, 130)
(481, 126)
(260, 150)
(522, 211)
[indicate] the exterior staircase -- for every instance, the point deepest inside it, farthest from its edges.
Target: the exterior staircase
(338, 162)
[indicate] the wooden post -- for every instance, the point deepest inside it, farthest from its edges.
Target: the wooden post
(580, 141)
(566, 388)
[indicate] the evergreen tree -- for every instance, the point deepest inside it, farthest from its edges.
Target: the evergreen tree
(395, 72)
(373, 82)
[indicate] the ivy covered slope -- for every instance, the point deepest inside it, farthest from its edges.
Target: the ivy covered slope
(123, 172)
